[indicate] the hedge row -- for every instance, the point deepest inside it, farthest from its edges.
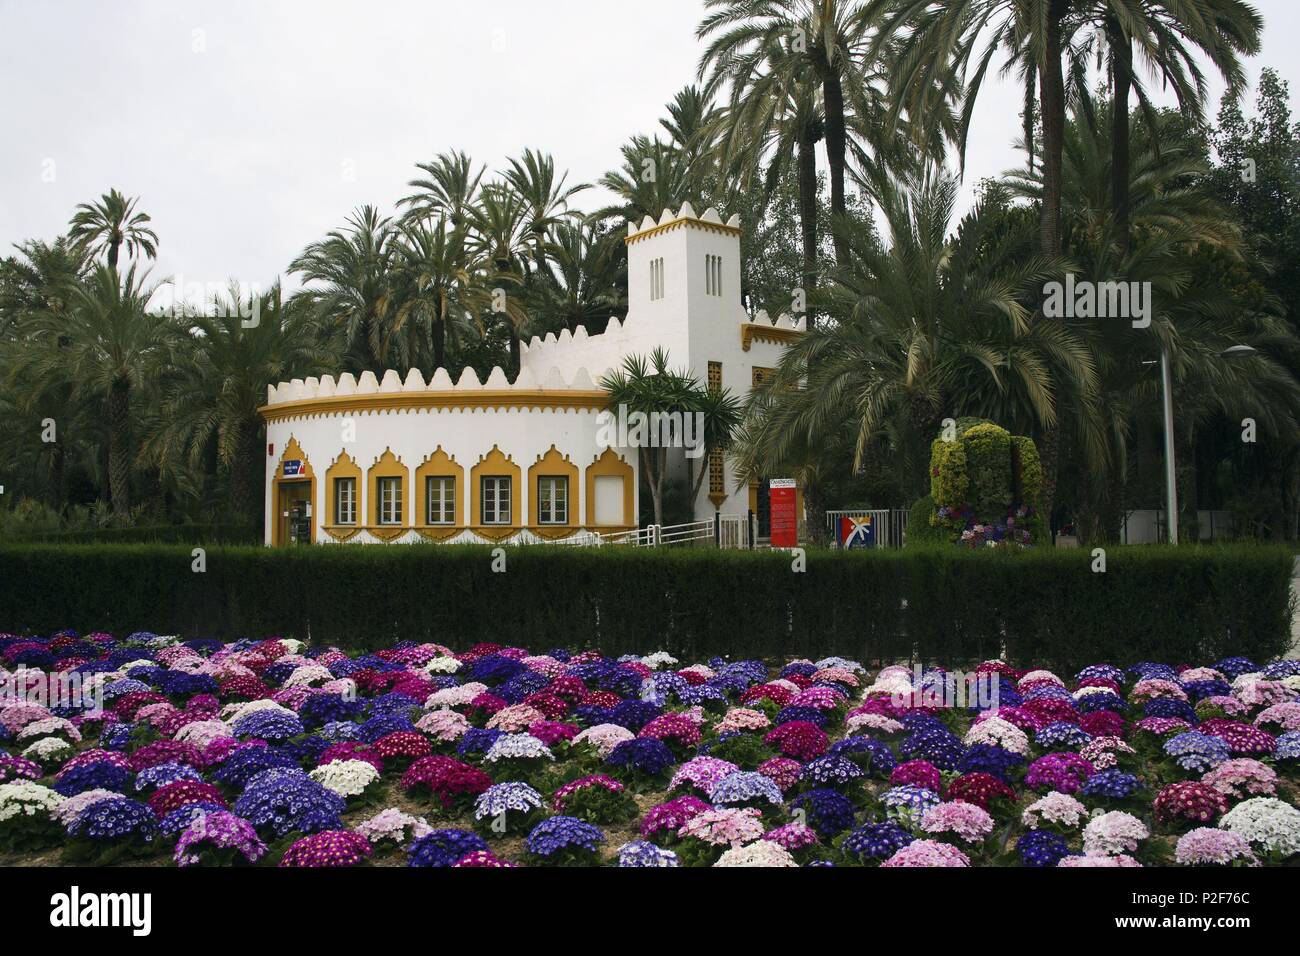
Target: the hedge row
(148, 534)
(933, 605)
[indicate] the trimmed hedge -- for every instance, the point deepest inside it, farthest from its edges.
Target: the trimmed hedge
(938, 604)
(148, 534)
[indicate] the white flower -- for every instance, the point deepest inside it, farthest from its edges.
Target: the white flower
(758, 853)
(27, 798)
(1059, 808)
(658, 659)
(1000, 733)
(307, 675)
(442, 665)
(232, 712)
(347, 778)
(48, 748)
(1268, 822)
(1113, 833)
(517, 747)
(454, 696)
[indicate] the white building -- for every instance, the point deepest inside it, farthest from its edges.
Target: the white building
(402, 459)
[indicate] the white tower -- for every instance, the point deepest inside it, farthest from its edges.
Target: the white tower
(684, 296)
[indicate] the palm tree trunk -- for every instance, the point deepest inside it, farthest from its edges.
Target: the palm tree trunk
(113, 247)
(1052, 99)
(807, 159)
(514, 352)
(54, 494)
(833, 102)
(242, 472)
(439, 344)
(1121, 51)
(119, 446)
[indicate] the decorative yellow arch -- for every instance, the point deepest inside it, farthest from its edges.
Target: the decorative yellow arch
(344, 466)
(387, 465)
(292, 452)
(439, 465)
(494, 464)
(552, 465)
(611, 464)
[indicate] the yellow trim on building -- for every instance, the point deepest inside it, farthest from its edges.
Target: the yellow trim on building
(610, 464)
(556, 400)
(292, 451)
(751, 332)
(440, 465)
(344, 466)
(552, 465)
(387, 465)
(492, 465)
(718, 227)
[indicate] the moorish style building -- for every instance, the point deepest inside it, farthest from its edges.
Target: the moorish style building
(399, 459)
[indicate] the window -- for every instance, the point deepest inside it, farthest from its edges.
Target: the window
(761, 375)
(495, 501)
(717, 481)
(440, 499)
(390, 500)
(713, 275)
(715, 376)
(345, 501)
(656, 279)
(553, 500)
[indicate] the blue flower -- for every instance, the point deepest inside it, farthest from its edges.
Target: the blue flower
(1114, 784)
(744, 786)
(557, 834)
(443, 848)
(876, 841)
(1042, 848)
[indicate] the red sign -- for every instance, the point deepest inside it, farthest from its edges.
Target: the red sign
(785, 519)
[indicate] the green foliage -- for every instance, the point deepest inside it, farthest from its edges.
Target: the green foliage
(1030, 469)
(988, 467)
(921, 524)
(949, 481)
(931, 604)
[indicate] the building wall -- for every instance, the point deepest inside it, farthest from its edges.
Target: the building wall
(683, 296)
(548, 431)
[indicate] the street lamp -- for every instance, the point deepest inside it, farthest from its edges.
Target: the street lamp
(1167, 401)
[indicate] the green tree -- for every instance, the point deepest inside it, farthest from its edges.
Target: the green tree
(109, 224)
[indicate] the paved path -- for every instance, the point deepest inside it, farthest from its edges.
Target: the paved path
(1295, 618)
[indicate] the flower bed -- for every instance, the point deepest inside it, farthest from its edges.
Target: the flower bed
(269, 753)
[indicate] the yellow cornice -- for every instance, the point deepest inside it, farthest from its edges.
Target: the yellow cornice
(720, 227)
(751, 332)
(553, 400)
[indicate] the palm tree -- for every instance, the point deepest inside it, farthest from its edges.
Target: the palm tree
(546, 199)
(500, 237)
(346, 278)
(105, 344)
(773, 117)
(111, 223)
(437, 282)
(831, 37)
(649, 386)
(449, 189)
(924, 328)
(584, 277)
(1168, 34)
(213, 380)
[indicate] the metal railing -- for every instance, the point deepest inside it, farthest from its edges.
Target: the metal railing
(890, 524)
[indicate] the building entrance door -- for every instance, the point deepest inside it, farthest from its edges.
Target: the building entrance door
(293, 513)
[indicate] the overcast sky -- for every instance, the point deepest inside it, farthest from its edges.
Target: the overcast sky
(249, 128)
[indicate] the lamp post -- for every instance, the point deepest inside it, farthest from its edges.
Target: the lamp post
(1167, 400)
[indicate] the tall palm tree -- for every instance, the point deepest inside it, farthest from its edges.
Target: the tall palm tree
(832, 37)
(346, 278)
(213, 380)
(437, 282)
(449, 189)
(501, 238)
(773, 120)
(1166, 35)
(545, 197)
(106, 345)
(584, 278)
(926, 327)
(111, 223)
